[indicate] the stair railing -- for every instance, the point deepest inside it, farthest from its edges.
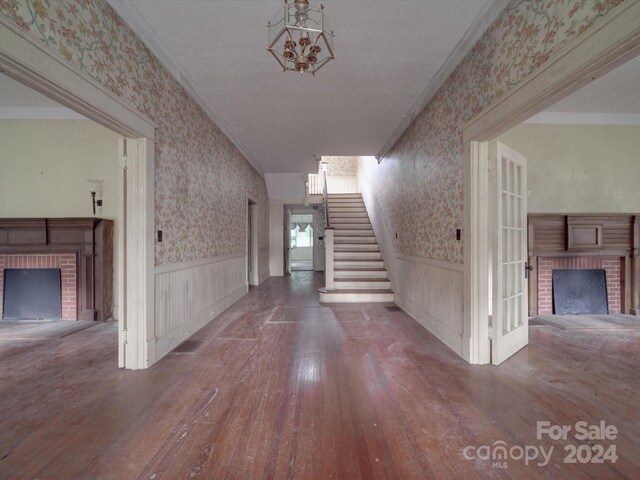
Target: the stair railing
(328, 237)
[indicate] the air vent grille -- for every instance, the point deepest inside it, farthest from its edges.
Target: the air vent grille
(188, 346)
(393, 308)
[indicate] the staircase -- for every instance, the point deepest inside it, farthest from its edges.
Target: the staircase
(359, 274)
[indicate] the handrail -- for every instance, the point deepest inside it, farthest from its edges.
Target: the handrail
(325, 196)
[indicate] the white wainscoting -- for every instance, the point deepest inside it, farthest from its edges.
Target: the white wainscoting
(263, 264)
(189, 295)
(342, 184)
(429, 290)
(432, 292)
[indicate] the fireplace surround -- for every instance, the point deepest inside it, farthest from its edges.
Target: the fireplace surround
(581, 241)
(82, 248)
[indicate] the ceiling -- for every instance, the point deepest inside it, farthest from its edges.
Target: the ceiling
(18, 102)
(612, 99)
(388, 54)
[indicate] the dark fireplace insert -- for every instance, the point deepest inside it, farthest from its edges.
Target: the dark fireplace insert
(32, 294)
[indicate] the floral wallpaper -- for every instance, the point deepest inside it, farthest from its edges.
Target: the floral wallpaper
(201, 179)
(341, 166)
(419, 185)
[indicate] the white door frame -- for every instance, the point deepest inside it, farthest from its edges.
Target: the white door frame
(612, 42)
(30, 62)
(252, 254)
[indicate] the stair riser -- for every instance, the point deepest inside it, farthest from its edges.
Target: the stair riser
(336, 297)
(337, 215)
(345, 205)
(357, 255)
(354, 285)
(339, 240)
(345, 230)
(346, 264)
(352, 225)
(369, 247)
(360, 274)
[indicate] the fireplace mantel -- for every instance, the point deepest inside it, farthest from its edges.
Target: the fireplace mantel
(587, 235)
(90, 239)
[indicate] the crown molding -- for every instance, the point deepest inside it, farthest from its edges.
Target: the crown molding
(39, 113)
(577, 118)
(483, 20)
(132, 17)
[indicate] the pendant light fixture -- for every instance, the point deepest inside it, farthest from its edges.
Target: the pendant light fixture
(299, 39)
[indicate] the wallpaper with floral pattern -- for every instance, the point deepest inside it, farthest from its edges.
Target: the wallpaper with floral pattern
(201, 179)
(341, 166)
(419, 185)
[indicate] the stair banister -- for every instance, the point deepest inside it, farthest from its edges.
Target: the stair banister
(328, 237)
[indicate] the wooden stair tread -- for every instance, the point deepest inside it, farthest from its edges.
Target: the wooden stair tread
(359, 269)
(360, 279)
(364, 291)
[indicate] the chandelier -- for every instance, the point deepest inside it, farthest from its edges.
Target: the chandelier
(299, 39)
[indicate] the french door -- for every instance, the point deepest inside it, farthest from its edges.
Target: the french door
(508, 187)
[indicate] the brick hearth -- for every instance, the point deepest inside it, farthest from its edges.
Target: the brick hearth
(65, 262)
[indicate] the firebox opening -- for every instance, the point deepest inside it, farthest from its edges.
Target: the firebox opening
(32, 294)
(579, 292)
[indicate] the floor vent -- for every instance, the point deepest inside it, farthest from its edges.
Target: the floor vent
(393, 308)
(188, 346)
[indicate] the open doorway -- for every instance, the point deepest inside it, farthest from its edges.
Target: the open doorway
(301, 243)
(252, 243)
(129, 198)
(563, 218)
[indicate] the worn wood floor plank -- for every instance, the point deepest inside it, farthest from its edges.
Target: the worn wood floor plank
(284, 387)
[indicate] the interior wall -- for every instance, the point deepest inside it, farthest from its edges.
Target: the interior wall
(45, 166)
(417, 189)
(579, 168)
(341, 166)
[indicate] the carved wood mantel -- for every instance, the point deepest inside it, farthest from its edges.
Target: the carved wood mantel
(586, 235)
(86, 238)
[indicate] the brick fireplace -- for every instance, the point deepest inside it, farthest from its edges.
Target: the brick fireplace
(613, 266)
(68, 272)
(585, 242)
(82, 248)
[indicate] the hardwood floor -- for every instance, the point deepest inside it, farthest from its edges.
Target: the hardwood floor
(286, 388)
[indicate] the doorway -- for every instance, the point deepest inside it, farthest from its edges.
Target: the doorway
(252, 242)
(301, 244)
(33, 66)
(578, 63)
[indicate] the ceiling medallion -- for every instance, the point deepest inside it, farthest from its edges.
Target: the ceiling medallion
(299, 39)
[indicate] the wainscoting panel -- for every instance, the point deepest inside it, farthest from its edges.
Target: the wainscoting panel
(340, 184)
(190, 295)
(432, 293)
(263, 265)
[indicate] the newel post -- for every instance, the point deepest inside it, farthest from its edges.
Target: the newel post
(328, 268)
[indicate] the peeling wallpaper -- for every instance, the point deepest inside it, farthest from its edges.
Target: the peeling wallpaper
(201, 179)
(419, 185)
